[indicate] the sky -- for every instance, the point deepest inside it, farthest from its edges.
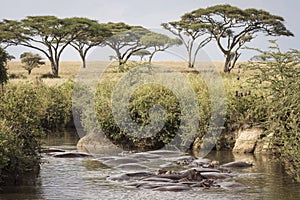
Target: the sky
(150, 14)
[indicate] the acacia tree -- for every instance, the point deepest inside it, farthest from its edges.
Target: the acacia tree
(142, 53)
(47, 34)
(93, 34)
(191, 34)
(125, 40)
(158, 42)
(31, 61)
(232, 27)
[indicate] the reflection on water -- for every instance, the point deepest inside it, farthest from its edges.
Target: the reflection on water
(85, 178)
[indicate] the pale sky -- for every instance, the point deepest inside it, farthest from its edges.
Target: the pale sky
(150, 14)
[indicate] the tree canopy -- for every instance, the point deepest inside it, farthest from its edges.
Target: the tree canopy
(94, 34)
(231, 27)
(193, 36)
(125, 40)
(31, 61)
(156, 42)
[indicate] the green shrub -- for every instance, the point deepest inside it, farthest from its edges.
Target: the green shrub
(278, 74)
(20, 131)
(56, 106)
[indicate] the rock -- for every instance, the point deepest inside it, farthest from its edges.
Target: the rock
(239, 164)
(175, 188)
(264, 145)
(97, 143)
(131, 166)
(246, 140)
(118, 161)
(71, 155)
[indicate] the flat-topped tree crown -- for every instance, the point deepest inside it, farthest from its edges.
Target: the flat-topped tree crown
(232, 27)
(125, 41)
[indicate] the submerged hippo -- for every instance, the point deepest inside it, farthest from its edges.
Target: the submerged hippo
(71, 155)
(239, 164)
(232, 185)
(131, 166)
(175, 188)
(118, 161)
(51, 150)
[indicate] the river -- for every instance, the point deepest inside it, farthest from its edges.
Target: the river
(85, 178)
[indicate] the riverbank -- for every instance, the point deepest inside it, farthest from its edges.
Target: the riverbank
(246, 107)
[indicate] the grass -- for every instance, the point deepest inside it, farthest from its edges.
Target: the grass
(70, 69)
(67, 70)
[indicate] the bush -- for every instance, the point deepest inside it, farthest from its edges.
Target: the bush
(20, 131)
(278, 74)
(26, 112)
(141, 101)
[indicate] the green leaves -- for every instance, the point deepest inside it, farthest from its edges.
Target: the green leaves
(278, 74)
(31, 61)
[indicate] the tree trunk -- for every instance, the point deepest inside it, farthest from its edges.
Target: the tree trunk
(54, 67)
(190, 64)
(83, 62)
(29, 71)
(227, 66)
(150, 58)
(230, 61)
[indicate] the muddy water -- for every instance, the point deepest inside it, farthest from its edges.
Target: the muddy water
(86, 178)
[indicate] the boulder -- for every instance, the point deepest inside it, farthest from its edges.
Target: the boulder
(97, 143)
(247, 140)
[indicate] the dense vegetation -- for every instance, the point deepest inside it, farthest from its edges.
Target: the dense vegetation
(27, 112)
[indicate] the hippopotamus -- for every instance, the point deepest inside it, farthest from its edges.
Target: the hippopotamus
(118, 161)
(215, 175)
(70, 155)
(173, 188)
(145, 156)
(232, 185)
(131, 166)
(239, 164)
(51, 150)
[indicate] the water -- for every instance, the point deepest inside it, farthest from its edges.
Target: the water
(85, 178)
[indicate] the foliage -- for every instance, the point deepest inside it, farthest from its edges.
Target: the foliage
(189, 32)
(278, 74)
(19, 132)
(26, 112)
(31, 61)
(3, 70)
(141, 101)
(125, 40)
(232, 27)
(93, 34)
(4, 58)
(50, 32)
(158, 42)
(142, 53)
